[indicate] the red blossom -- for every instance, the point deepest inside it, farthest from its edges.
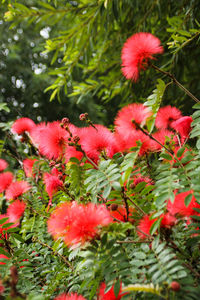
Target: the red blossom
(15, 210)
(110, 295)
(5, 180)
(179, 207)
(3, 233)
(94, 141)
(52, 184)
(3, 164)
(137, 51)
(4, 257)
(166, 115)
(16, 189)
(183, 127)
(78, 223)
(21, 125)
(124, 121)
(72, 296)
(28, 166)
(120, 214)
(161, 136)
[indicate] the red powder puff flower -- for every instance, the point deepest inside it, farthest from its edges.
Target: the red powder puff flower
(28, 166)
(16, 189)
(3, 164)
(179, 207)
(183, 127)
(145, 224)
(129, 140)
(21, 125)
(161, 136)
(110, 295)
(72, 296)
(53, 141)
(120, 214)
(36, 133)
(78, 223)
(3, 230)
(5, 180)
(136, 52)
(166, 115)
(15, 210)
(94, 141)
(53, 184)
(126, 117)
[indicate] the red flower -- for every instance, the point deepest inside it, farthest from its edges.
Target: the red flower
(53, 184)
(16, 189)
(28, 166)
(5, 180)
(94, 141)
(15, 210)
(136, 52)
(3, 230)
(53, 141)
(3, 164)
(126, 117)
(183, 127)
(78, 223)
(36, 133)
(166, 115)
(161, 136)
(21, 125)
(120, 214)
(110, 295)
(72, 296)
(179, 207)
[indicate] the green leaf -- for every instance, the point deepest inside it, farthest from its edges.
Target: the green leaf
(188, 199)
(155, 226)
(117, 288)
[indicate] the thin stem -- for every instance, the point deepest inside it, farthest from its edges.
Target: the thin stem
(136, 206)
(134, 242)
(176, 82)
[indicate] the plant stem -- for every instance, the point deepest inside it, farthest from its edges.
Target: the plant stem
(176, 82)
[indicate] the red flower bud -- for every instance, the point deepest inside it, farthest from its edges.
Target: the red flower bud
(175, 286)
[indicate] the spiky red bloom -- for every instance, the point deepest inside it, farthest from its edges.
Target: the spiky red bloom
(16, 189)
(52, 184)
(36, 133)
(21, 125)
(145, 224)
(136, 52)
(166, 115)
(53, 141)
(120, 214)
(183, 127)
(94, 141)
(129, 114)
(3, 164)
(72, 296)
(110, 295)
(72, 152)
(78, 223)
(161, 136)
(179, 207)
(28, 166)
(15, 210)
(138, 178)
(5, 180)
(3, 228)
(129, 140)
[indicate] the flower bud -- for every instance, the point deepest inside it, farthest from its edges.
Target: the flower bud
(175, 286)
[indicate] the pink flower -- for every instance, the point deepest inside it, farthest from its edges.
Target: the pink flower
(15, 210)
(3, 164)
(5, 180)
(166, 115)
(179, 207)
(16, 189)
(161, 136)
(28, 166)
(183, 127)
(136, 52)
(72, 296)
(94, 141)
(53, 141)
(52, 184)
(138, 113)
(78, 223)
(110, 295)
(21, 125)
